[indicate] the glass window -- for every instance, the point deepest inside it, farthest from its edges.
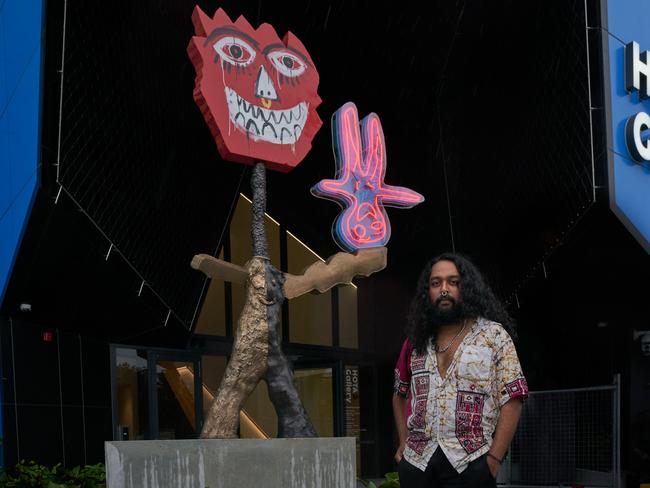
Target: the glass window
(315, 389)
(348, 325)
(212, 319)
(258, 418)
(241, 246)
(310, 316)
(132, 403)
(213, 368)
(175, 396)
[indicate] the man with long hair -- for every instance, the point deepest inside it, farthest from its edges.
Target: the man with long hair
(458, 382)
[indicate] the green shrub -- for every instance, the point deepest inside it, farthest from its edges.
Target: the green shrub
(33, 475)
(391, 481)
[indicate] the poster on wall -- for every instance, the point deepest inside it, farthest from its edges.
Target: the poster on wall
(353, 408)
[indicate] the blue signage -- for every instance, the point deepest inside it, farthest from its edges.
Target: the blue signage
(626, 42)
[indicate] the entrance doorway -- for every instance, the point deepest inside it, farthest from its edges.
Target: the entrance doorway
(156, 394)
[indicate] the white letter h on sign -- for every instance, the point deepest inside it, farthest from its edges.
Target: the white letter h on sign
(637, 70)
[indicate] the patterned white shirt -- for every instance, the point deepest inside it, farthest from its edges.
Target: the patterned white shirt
(459, 412)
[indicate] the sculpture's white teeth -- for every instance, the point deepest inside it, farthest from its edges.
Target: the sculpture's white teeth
(275, 126)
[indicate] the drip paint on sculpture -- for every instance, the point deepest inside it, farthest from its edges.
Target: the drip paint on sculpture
(360, 154)
(257, 93)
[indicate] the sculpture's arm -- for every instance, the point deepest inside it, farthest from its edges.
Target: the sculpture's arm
(339, 269)
(320, 277)
(218, 269)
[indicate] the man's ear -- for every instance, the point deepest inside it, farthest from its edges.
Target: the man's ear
(218, 269)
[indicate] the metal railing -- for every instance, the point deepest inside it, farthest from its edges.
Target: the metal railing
(567, 438)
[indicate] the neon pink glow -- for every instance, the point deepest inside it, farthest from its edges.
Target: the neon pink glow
(359, 187)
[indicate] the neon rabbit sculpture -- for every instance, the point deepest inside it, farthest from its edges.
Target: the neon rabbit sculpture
(359, 188)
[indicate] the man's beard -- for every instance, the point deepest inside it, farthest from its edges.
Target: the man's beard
(437, 315)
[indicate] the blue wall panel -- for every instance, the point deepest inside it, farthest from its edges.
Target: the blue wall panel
(20, 85)
(21, 26)
(626, 21)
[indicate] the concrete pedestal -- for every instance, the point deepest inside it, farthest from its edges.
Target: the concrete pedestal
(220, 463)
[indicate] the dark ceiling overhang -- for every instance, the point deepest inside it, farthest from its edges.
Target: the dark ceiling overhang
(484, 108)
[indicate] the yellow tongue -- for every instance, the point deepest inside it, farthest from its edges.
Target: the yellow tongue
(266, 103)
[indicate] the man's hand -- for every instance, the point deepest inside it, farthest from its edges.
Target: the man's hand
(504, 432)
(399, 411)
(399, 453)
(494, 466)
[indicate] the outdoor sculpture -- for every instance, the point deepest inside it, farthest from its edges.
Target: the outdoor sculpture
(242, 74)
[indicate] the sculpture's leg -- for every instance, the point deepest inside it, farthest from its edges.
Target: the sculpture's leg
(293, 420)
(248, 361)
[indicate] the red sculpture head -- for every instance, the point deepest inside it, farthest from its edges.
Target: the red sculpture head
(257, 93)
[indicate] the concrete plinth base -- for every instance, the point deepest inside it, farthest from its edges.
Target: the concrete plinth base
(220, 463)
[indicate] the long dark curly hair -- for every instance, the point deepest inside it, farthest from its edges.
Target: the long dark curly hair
(476, 298)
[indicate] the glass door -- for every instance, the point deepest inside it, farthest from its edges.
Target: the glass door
(130, 394)
(177, 410)
(155, 394)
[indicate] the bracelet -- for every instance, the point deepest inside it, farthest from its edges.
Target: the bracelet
(500, 461)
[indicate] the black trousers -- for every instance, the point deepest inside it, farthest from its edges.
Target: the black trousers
(441, 474)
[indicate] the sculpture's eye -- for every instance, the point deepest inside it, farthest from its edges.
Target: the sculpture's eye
(235, 51)
(287, 63)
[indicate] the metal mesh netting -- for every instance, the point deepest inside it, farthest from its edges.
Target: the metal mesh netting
(135, 153)
(519, 165)
(509, 121)
(566, 437)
